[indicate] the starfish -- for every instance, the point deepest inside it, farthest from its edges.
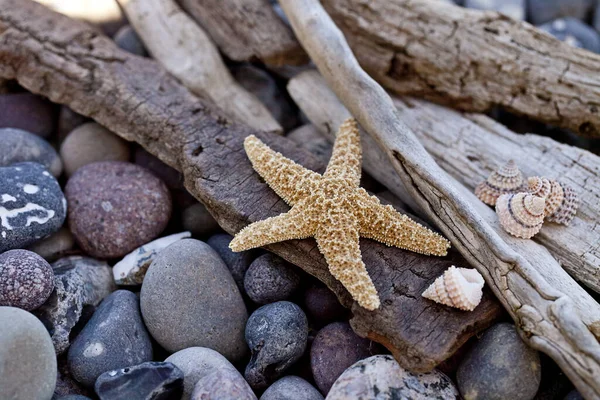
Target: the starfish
(334, 210)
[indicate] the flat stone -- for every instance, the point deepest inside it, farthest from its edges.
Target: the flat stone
(382, 378)
(198, 220)
(147, 381)
(270, 278)
(55, 246)
(32, 206)
(541, 11)
(197, 362)
(27, 360)
(28, 112)
(291, 388)
(277, 335)
(512, 8)
(114, 338)
(499, 366)
(127, 39)
(89, 143)
(78, 282)
(20, 146)
(223, 384)
(237, 262)
(189, 298)
(116, 207)
(574, 32)
(26, 279)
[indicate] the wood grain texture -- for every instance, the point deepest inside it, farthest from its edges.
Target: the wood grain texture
(186, 51)
(472, 60)
(545, 317)
(246, 30)
(134, 97)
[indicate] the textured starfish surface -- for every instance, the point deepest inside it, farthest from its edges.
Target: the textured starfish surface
(334, 210)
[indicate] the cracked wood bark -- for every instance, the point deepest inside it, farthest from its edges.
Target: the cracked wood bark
(545, 317)
(472, 60)
(246, 30)
(71, 64)
(186, 51)
(462, 148)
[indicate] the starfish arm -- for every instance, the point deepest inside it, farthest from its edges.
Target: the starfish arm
(386, 225)
(339, 244)
(289, 180)
(346, 158)
(287, 226)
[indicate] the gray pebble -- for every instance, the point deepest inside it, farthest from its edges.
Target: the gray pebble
(541, 11)
(78, 282)
(197, 219)
(32, 205)
(28, 112)
(237, 262)
(114, 338)
(20, 146)
(189, 298)
(54, 246)
(127, 39)
(512, 8)
(197, 362)
(223, 384)
(277, 335)
(27, 360)
(382, 378)
(291, 388)
(499, 366)
(26, 279)
(574, 32)
(270, 278)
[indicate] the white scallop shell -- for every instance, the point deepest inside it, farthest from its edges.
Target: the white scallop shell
(507, 179)
(521, 214)
(457, 287)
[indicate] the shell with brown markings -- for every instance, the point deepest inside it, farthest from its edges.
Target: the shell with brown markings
(507, 179)
(521, 214)
(458, 287)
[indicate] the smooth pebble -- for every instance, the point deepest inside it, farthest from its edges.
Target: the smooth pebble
(20, 146)
(291, 388)
(270, 278)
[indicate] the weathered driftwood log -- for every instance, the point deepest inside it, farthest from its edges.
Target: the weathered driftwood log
(472, 60)
(247, 29)
(545, 317)
(449, 136)
(186, 51)
(67, 62)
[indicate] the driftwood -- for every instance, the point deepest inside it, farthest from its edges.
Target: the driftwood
(545, 317)
(186, 51)
(447, 135)
(472, 60)
(70, 64)
(247, 29)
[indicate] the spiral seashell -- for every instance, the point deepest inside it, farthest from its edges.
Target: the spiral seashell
(569, 203)
(521, 214)
(457, 287)
(507, 179)
(561, 200)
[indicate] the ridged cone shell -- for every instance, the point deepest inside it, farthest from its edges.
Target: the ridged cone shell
(507, 179)
(457, 287)
(521, 214)
(567, 208)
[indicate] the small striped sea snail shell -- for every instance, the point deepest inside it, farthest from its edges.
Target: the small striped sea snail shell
(561, 200)
(521, 214)
(507, 179)
(457, 287)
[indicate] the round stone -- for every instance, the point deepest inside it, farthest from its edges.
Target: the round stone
(114, 338)
(223, 384)
(335, 348)
(382, 378)
(28, 112)
(116, 207)
(20, 146)
(237, 262)
(291, 388)
(26, 279)
(277, 335)
(54, 246)
(189, 298)
(127, 39)
(270, 278)
(500, 366)
(89, 143)
(197, 362)
(27, 359)
(574, 32)
(198, 220)
(32, 206)
(322, 306)
(540, 11)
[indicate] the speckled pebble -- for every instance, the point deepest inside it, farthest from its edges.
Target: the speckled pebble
(237, 262)
(32, 206)
(291, 388)
(127, 39)
(114, 338)
(198, 220)
(335, 348)
(28, 112)
(277, 335)
(54, 246)
(223, 384)
(322, 306)
(89, 143)
(270, 278)
(26, 279)
(382, 378)
(79, 282)
(116, 207)
(574, 32)
(189, 298)
(500, 366)
(20, 146)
